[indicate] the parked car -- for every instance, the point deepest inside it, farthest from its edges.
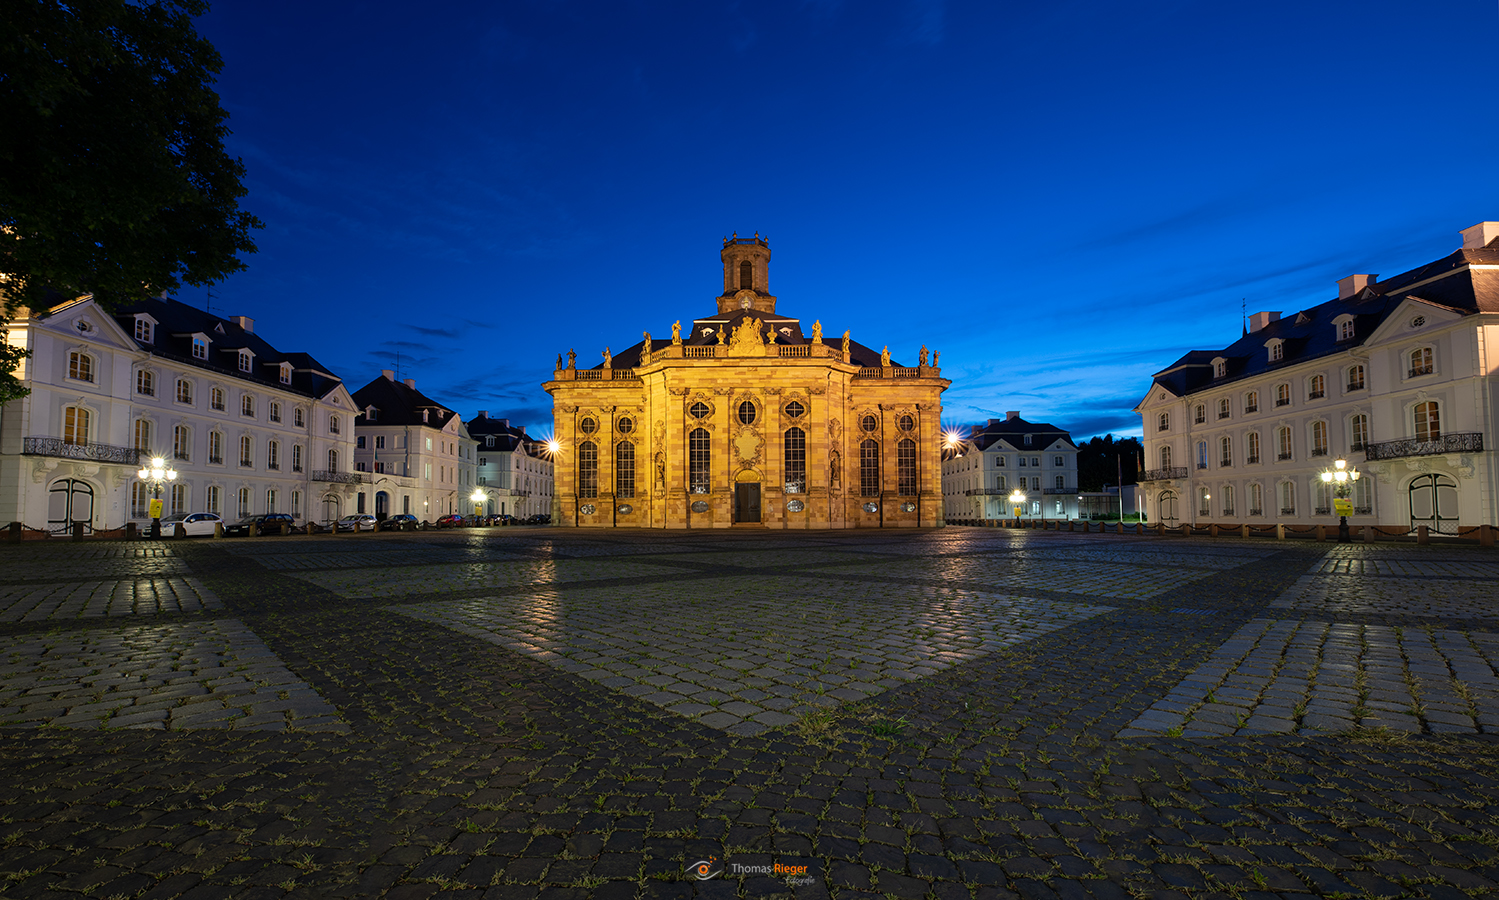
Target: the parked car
(195, 524)
(452, 520)
(400, 522)
(539, 519)
(365, 521)
(267, 523)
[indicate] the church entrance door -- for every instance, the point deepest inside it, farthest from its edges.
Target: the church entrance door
(747, 502)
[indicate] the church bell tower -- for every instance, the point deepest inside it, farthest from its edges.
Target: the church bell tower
(746, 275)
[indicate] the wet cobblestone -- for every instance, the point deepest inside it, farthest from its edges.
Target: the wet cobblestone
(1000, 758)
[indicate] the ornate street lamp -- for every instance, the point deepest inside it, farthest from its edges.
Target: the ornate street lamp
(1017, 500)
(156, 475)
(1341, 478)
(478, 498)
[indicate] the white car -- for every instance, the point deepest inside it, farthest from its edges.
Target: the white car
(195, 524)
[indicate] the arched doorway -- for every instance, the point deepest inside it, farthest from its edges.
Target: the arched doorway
(1433, 503)
(1166, 506)
(382, 505)
(70, 500)
(331, 508)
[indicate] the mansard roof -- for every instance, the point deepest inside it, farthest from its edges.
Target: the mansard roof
(506, 436)
(399, 403)
(172, 338)
(704, 331)
(1012, 431)
(1450, 282)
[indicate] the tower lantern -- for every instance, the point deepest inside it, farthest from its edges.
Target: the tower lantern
(746, 275)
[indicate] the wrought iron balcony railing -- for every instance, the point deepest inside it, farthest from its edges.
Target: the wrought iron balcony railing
(1165, 474)
(1057, 490)
(336, 477)
(49, 446)
(1465, 442)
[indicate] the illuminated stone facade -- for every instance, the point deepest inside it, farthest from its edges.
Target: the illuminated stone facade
(744, 420)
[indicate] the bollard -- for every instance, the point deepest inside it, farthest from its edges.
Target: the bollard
(1212, 531)
(77, 531)
(310, 532)
(1280, 532)
(1423, 534)
(178, 531)
(1485, 535)
(1139, 528)
(1160, 529)
(129, 531)
(1368, 531)
(1321, 534)
(253, 530)
(218, 529)
(1244, 530)
(14, 534)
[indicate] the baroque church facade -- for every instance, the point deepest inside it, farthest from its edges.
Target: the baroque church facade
(742, 419)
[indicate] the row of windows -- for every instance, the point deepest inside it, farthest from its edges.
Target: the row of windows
(76, 421)
(999, 461)
(80, 367)
(747, 414)
(1362, 497)
(176, 501)
(1421, 360)
(1426, 422)
(1059, 482)
(700, 458)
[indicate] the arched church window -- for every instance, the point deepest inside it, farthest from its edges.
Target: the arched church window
(699, 460)
(796, 461)
(869, 468)
(588, 469)
(746, 276)
(624, 469)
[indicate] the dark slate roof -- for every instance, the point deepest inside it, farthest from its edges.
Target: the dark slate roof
(1013, 432)
(397, 403)
(1310, 334)
(176, 322)
(506, 436)
(788, 331)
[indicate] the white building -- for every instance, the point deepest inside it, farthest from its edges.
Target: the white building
(514, 471)
(1006, 455)
(415, 456)
(249, 429)
(1397, 377)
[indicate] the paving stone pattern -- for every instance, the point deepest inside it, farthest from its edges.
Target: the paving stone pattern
(1280, 676)
(87, 599)
(477, 746)
(1418, 595)
(214, 674)
(758, 654)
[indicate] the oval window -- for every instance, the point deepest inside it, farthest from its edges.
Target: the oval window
(871, 507)
(795, 410)
(747, 413)
(906, 423)
(626, 425)
(795, 505)
(869, 423)
(588, 426)
(587, 509)
(698, 410)
(625, 509)
(700, 506)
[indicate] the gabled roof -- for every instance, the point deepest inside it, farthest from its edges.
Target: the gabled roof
(172, 338)
(704, 331)
(399, 403)
(1449, 282)
(506, 436)
(1012, 432)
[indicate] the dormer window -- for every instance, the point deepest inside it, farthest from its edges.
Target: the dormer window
(286, 373)
(200, 347)
(1277, 350)
(145, 329)
(1220, 367)
(1344, 325)
(371, 414)
(245, 358)
(1027, 440)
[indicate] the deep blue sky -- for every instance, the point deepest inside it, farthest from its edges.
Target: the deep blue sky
(1061, 197)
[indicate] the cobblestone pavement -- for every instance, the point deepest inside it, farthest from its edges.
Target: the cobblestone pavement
(961, 713)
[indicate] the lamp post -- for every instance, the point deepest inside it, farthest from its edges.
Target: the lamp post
(478, 499)
(1341, 478)
(156, 475)
(1017, 500)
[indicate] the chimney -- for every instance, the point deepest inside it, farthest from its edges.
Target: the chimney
(411, 383)
(389, 374)
(1480, 235)
(1347, 287)
(1261, 319)
(483, 414)
(504, 423)
(245, 322)
(1011, 415)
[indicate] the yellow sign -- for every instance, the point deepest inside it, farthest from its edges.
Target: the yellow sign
(1343, 507)
(155, 509)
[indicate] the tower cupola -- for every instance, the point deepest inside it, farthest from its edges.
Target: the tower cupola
(746, 275)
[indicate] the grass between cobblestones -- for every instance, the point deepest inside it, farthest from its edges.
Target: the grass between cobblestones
(970, 713)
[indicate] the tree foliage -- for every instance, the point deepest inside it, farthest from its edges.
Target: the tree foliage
(114, 179)
(1096, 464)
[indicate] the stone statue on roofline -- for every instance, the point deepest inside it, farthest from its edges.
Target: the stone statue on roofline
(817, 332)
(885, 356)
(923, 355)
(572, 358)
(559, 361)
(645, 350)
(845, 346)
(936, 360)
(676, 332)
(608, 360)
